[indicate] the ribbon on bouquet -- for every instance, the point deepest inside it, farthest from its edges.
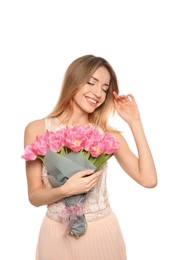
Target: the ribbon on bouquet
(69, 215)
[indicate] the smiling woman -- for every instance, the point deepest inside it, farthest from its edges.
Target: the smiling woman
(93, 93)
(89, 96)
(87, 71)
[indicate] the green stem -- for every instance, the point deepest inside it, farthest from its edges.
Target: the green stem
(41, 157)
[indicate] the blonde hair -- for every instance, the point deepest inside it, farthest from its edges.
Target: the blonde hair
(76, 76)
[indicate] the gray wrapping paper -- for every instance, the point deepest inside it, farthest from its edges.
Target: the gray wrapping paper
(60, 169)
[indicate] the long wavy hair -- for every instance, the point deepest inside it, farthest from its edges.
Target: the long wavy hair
(76, 76)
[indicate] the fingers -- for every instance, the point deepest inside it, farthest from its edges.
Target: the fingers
(97, 173)
(132, 98)
(88, 173)
(92, 179)
(85, 173)
(82, 182)
(123, 98)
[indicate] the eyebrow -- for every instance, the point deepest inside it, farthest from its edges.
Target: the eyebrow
(98, 81)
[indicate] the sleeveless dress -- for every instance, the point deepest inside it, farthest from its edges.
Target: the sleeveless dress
(103, 238)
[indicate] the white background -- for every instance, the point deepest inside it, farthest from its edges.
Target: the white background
(38, 40)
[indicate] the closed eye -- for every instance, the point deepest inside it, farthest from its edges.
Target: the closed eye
(89, 83)
(105, 90)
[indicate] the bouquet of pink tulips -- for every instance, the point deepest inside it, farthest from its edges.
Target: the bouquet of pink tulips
(67, 151)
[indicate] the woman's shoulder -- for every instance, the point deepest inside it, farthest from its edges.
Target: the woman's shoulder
(36, 125)
(33, 129)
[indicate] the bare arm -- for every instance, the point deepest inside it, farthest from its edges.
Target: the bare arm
(141, 168)
(39, 196)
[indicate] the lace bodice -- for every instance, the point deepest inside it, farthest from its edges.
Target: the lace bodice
(96, 204)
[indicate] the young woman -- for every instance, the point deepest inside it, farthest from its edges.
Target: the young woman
(89, 95)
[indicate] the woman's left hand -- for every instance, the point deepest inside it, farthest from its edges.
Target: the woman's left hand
(126, 107)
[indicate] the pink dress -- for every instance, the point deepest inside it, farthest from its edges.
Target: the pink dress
(103, 238)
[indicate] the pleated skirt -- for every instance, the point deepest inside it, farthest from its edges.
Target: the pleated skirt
(103, 240)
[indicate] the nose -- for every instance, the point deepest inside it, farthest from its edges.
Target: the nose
(97, 91)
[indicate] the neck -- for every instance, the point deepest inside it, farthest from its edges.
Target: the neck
(77, 122)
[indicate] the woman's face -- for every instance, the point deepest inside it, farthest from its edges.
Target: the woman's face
(92, 94)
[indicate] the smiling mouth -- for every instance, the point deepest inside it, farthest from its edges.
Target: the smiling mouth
(91, 101)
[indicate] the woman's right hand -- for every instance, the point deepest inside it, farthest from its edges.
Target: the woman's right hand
(81, 182)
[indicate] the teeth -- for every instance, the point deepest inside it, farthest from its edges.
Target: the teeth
(91, 100)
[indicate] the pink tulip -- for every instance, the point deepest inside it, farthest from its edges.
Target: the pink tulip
(97, 147)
